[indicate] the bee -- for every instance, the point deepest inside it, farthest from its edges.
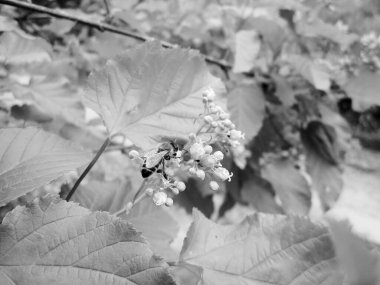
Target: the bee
(156, 158)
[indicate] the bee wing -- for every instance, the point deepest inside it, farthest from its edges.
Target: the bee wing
(152, 159)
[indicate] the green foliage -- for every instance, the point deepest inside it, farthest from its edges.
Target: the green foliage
(55, 240)
(298, 78)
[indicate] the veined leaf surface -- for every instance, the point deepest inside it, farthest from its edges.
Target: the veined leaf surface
(149, 92)
(31, 158)
(55, 242)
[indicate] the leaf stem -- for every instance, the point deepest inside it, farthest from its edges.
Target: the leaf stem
(135, 199)
(100, 26)
(88, 168)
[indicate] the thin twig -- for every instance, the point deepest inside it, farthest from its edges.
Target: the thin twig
(88, 168)
(136, 199)
(108, 8)
(100, 26)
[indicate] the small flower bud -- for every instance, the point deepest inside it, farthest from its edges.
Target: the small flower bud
(149, 191)
(208, 149)
(224, 116)
(208, 119)
(227, 122)
(181, 186)
(175, 190)
(159, 198)
(192, 136)
(214, 185)
(129, 206)
(213, 110)
(218, 155)
(169, 202)
(236, 135)
(223, 174)
(192, 171)
(133, 154)
(196, 151)
(201, 174)
(210, 94)
(214, 124)
(209, 161)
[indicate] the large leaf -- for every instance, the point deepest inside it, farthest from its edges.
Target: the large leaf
(15, 49)
(159, 228)
(149, 92)
(263, 249)
(31, 158)
(364, 88)
(311, 71)
(247, 47)
(55, 242)
(246, 104)
(53, 95)
(357, 262)
(360, 201)
(291, 187)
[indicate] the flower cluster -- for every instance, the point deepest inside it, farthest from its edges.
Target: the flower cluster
(197, 157)
(370, 50)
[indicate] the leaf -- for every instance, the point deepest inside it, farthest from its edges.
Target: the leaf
(55, 242)
(262, 249)
(284, 90)
(359, 202)
(289, 184)
(364, 88)
(359, 264)
(311, 71)
(318, 28)
(322, 161)
(53, 95)
(247, 47)
(157, 226)
(31, 158)
(149, 92)
(15, 49)
(246, 104)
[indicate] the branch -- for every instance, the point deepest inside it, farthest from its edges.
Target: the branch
(100, 26)
(88, 168)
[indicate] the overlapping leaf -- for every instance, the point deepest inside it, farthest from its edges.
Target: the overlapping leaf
(358, 262)
(290, 186)
(149, 92)
(247, 47)
(246, 104)
(364, 88)
(31, 158)
(53, 95)
(55, 242)
(263, 249)
(312, 72)
(15, 49)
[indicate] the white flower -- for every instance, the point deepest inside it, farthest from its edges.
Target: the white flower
(201, 174)
(133, 154)
(223, 173)
(159, 198)
(214, 185)
(192, 171)
(209, 161)
(209, 94)
(208, 119)
(169, 202)
(208, 149)
(236, 135)
(180, 185)
(218, 155)
(196, 151)
(149, 191)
